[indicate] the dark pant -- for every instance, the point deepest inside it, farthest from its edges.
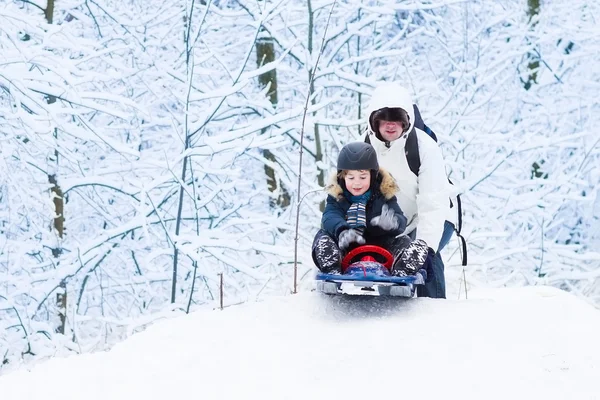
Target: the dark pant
(436, 287)
(325, 252)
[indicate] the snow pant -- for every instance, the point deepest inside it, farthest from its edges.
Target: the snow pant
(436, 286)
(326, 252)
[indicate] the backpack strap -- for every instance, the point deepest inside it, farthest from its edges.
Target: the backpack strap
(420, 124)
(463, 242)
(459, 206)
(411, 150)
(458, 227)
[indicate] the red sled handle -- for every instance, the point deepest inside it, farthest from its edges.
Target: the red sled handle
(367, 252)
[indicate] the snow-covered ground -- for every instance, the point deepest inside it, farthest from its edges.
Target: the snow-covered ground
(529, 343)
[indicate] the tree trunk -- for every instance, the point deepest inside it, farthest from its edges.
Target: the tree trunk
(318, 145)
(356, 71)
(533, 58)
(58, 224)
(49, 12)
(187, 25)
(533, 65)
(59, 207)
(265, 53)
(318, 149)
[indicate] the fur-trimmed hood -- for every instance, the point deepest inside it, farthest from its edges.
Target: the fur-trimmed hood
(385, 183)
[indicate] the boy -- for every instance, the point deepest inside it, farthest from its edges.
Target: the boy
(362, 209)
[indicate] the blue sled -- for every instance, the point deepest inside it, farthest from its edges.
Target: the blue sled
(369, 276)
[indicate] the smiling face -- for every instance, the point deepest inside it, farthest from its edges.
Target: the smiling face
(357, 182)
(390, 130)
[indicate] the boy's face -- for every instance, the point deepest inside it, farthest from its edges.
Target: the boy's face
(357, 182)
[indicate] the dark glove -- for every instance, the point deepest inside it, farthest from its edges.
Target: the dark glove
(387, 220)
(348, 237)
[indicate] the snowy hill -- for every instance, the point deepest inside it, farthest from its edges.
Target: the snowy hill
(531, 343)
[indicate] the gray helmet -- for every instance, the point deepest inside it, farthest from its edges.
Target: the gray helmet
(357, 156)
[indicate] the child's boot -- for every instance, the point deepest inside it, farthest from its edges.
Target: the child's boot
(411, 259)
(327, 255)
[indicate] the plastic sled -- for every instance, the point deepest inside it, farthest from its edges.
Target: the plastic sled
(366, 270)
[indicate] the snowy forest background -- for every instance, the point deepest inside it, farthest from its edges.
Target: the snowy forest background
(147, 147)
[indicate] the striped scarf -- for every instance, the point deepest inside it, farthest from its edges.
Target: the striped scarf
(357, 213)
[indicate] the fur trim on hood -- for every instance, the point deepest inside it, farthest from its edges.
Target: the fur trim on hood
(387, 185)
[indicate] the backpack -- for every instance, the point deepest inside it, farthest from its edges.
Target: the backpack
(411, 149)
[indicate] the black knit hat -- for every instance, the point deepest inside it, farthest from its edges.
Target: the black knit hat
(358, 156)
(388, 114)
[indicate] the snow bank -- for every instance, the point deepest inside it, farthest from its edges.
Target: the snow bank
(535, 343)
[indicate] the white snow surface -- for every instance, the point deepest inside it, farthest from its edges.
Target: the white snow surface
(526, 343)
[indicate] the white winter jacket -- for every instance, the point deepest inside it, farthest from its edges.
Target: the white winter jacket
(423, 199)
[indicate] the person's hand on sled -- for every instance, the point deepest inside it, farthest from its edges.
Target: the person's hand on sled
(387, 220)
(348, 237)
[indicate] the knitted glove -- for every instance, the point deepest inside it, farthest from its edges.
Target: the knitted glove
(387, 220)
(350, 236)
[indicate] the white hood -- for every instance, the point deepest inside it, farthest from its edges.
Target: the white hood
(391, 95)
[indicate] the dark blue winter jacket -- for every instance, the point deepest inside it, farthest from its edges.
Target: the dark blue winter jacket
(383, 192)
